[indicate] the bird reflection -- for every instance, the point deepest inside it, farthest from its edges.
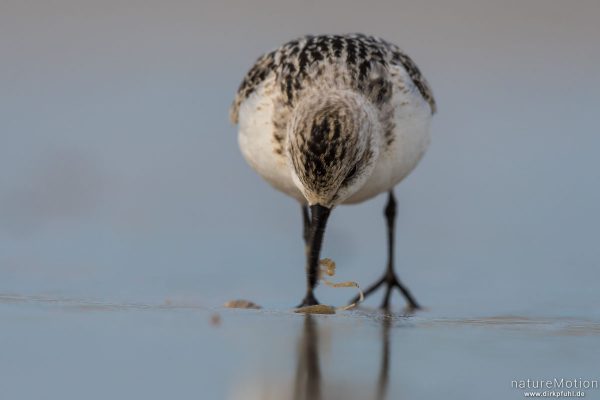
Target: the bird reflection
(307, 385)
(308, 379)
(384, 369)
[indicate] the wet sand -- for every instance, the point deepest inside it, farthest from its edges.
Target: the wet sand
(72, 348)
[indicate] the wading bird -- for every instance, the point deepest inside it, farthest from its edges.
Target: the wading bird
(335, 119)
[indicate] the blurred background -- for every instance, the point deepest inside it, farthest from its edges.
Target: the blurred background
(121, 181)
(120, 175)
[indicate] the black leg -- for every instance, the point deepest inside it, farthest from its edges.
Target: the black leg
(305, 224)
(390, 278)
(319, 216)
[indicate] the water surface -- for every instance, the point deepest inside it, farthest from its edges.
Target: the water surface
(78, 348)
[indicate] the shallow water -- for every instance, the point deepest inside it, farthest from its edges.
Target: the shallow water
(128, 215)
(78, 348)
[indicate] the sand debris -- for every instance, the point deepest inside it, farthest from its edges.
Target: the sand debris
(215, 319)
(328, 269)
(242, 304)
(316, 309)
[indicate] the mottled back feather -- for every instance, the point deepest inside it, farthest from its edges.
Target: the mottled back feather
(362, 61)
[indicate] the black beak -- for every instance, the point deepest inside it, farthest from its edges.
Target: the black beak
(319, 217)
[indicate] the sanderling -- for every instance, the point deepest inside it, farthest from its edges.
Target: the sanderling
(335, 119)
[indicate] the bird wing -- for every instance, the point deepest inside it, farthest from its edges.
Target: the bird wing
(261, 69)
(398, 57)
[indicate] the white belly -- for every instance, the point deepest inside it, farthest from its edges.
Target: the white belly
(412, 137)
(258, 143)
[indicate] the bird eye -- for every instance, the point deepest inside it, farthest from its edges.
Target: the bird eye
(351, 174)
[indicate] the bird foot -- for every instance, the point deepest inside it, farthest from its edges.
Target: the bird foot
(309, 300)
(391, 281)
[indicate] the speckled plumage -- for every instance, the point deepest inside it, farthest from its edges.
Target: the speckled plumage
(328, 112)
(330, 120)
(358, 54)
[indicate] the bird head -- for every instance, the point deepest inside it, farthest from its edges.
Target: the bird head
(332, 146)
